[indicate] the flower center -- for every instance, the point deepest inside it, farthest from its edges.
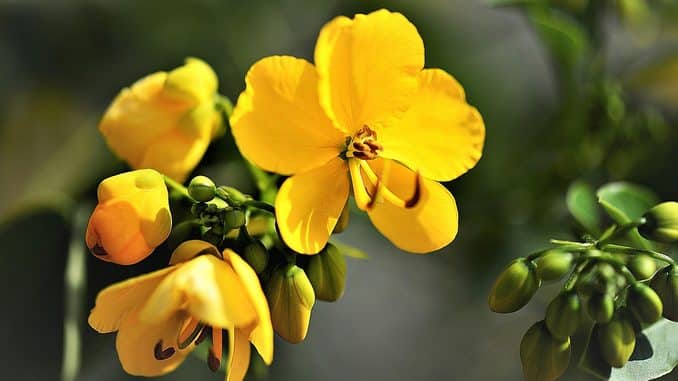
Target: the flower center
(194, 332)
(363, 145)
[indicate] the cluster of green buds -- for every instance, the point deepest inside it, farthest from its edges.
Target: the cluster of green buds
(613, 290)
(227, 218)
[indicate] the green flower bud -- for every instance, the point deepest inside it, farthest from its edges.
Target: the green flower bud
(598, 278)
(202, 188)
(642, 266)
(514, 287)
(234, 218)
(183, 232)
(661, 223)
(327, 273)
(562, 315)
(553, 265)
(342, 223)
(291, 298)
(665, 284)
(617, 339)
(256, 255)
(644, 303)
(544, 357)
(600, 307)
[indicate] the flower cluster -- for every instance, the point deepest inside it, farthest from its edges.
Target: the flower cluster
(366, 120)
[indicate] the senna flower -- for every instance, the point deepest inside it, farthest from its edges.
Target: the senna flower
(160, 317)
(165, 121)
(132, 217)
(366, 116)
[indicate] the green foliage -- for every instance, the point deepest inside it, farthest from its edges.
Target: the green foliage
(583, 205)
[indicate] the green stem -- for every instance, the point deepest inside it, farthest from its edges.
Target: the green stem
(572, 243)
(572, 280)
(619, 231)
(75, 277)
(173, 185)
(261, 205)
(632, 250)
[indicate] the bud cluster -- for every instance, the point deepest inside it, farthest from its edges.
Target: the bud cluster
(617, 290)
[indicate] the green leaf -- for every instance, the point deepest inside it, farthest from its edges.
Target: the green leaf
(582, 204)
(562, 35)
(350, 251)
(655, 355)
(626, 202)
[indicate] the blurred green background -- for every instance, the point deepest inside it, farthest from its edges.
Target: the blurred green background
(568, 90)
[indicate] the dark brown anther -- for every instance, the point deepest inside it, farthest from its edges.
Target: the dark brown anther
(202, 336)
(212, 361)
(98, 250)
(192, 337)
(374, 146)
(414, 200)
(162, 354)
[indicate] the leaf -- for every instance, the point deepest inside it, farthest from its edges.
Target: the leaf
(655, 355)
(582, 204)
(562, 35)
(626, 202)
(350, 251)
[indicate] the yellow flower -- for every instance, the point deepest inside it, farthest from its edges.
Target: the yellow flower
(131, 219)
(369, 109)
(165, 121)
(160, 317)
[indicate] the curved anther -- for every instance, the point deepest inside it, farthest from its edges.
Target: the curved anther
(381, 190)
(189, 333)
(162, 354)
(362, 197)
(214, 355)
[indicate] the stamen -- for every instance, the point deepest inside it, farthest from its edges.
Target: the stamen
(362, 198)
(214, 355)
(382, 191)
(202, 336)
(188, 334)
(162, 354)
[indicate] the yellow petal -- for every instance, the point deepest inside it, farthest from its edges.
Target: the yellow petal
(191, 249)
(278, 123)
(238, 355)
(440, 136)
(262, 335)
(208, 289)
(367, 69)
(430, 225)
(136, 345)
(116, 301)
(195, 79)
(308, 206)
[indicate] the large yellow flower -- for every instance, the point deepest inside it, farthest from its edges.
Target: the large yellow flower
(165, 121)
(131, 219)
(369, 109)
(161, 317)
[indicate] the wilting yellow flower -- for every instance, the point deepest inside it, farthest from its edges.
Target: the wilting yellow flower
(131, 219)
(161, 317)
(165, 121)
(367, 108)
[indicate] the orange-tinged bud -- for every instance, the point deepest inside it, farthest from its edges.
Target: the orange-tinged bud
(165, 121)
(131, 219)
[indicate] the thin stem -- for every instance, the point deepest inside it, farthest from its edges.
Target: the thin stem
(619, 231)
(572, 243)
(173, 185)
(261, 205)
(74, 293)
(632, 250)
(572, 280)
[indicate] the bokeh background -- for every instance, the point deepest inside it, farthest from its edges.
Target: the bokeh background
(599, 103)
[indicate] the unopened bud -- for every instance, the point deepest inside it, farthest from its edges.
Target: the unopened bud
(202, 188)
(553, 265)
(291, 298)
(562, 315)
(617, 339)
(327, 273)
(234, 219)
(644, 303)
(665, 284)
(544, 357)
(256, 255)
(514, 287)
(661, 223)
(642, 266)
(600, 307)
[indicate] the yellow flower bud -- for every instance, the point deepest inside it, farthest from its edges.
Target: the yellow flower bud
(165, 121)
(544, 356)
(327, 273)
(291, 298)
(131, 219)
(617, 339)
(661, 223)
